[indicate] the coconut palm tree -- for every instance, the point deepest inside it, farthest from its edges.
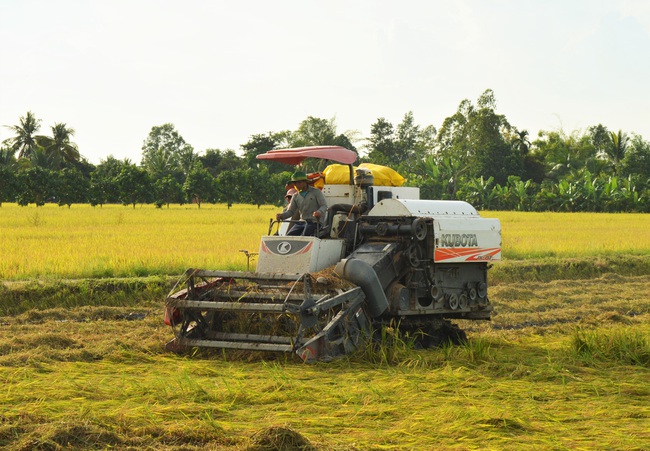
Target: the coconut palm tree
(24, 143)
(617, 150)
(159, 163)
(58, 148)
(521, 142)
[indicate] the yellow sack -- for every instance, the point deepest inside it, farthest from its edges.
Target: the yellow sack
(383, 175)
(337, 174)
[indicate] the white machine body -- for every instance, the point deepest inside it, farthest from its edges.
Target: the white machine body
(298, 254)
(461, 234)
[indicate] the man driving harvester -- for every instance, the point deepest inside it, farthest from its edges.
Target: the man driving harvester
(311, 204)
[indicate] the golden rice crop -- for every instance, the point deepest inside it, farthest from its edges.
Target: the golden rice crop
(119, 241)
(114, 240)
(548, 234)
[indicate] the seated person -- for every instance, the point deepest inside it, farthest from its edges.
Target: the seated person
(284, 227)
(309, 202)
(290, 193)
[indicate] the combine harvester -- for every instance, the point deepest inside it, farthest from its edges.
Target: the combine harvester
(384, 257)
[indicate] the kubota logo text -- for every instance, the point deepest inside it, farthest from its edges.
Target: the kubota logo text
(458, 240)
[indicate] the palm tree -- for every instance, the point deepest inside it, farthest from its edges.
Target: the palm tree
(617, 150)
(521, 142)
(58, 148)
(24, 143)
(159, 163)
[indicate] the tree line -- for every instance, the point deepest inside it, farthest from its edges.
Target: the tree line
(475, 155)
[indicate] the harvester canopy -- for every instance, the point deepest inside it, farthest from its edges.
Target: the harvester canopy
(297, 155)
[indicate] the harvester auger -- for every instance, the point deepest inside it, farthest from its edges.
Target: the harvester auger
(384, 257)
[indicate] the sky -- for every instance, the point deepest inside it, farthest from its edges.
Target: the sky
(222, 71)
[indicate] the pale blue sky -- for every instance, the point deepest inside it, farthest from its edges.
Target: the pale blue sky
(223, 71)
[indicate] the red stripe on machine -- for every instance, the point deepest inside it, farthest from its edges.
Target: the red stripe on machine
(469, 254)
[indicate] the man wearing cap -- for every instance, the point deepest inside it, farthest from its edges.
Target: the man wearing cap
(309, 202)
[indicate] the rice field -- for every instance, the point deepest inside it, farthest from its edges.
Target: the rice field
(563, 365)
(119, 241)
(548, 234)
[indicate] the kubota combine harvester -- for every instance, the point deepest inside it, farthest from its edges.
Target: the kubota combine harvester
(383, 257)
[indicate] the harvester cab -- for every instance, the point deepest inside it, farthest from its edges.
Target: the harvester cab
(383, 257)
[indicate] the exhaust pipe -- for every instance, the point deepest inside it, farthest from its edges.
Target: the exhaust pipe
(362, 274)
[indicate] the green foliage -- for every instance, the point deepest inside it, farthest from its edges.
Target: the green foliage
(636, 162)
(229, 186)
(71, 187)
(564, 154)
(7, 157)
(441, 179)
(24, 142)
(533, 168)
(315, 131)
(278, 184)
(381, 142)
(255, 187)
(216, 161)
(168, 190)
(580, 191)
(476, 156)
(616, 152)
(35, 185)
(52, 152)
(583, 191)
(476, 136)
(165, 151)
(134, 185)
(58, 148)
(401, 147)
(259, 144)
(103, 181)
(480, 193)
(8, 184)
(199, 185)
